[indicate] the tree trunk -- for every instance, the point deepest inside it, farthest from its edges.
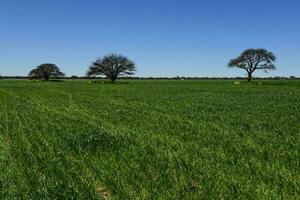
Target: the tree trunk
(249, 79)
(113, 79)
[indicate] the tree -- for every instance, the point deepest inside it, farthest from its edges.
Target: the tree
(75, 77)
(254, 59)
(112, 66)
(46, 71)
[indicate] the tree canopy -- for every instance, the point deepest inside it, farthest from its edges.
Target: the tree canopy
(112, 66)
(46, 71)
(254, 59)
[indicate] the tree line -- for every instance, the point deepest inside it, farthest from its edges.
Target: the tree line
(113, 66)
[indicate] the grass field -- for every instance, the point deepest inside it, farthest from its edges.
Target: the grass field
(149, 140)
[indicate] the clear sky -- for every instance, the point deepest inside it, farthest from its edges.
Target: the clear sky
(163, 37)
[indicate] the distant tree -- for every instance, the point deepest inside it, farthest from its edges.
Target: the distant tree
(112, 66)
(46, 71)
(254, 59)
(74, 77)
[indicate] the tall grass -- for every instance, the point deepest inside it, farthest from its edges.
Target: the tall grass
(149, 140)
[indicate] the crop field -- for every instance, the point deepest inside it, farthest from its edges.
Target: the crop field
(159, 139)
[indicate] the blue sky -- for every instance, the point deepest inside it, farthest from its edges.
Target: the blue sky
(163, 37)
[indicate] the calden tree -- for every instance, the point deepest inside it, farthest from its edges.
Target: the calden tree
(112, 66)
(254, 59)
(46, 71)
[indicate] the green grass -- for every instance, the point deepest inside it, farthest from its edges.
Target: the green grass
(149, 140)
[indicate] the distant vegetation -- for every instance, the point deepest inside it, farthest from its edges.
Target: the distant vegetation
(254, 59)
(165, 78)
(112, 66)
(46, 71)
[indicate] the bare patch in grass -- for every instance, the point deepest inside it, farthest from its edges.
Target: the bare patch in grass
(103, 192)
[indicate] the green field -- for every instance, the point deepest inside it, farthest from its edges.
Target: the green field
(149, 140)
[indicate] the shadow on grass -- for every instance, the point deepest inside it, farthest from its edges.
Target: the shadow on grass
(96, 140)
(284, 82)
(271, 82)
(45, 81)
(108, 82)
